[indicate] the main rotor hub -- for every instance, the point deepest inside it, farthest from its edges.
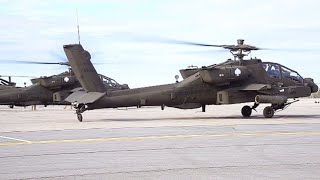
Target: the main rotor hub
(240, 50)
(240, 41)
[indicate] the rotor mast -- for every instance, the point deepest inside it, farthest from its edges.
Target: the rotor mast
(78, 27)
(238, 53)
(240, 50)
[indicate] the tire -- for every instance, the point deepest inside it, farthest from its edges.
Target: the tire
(79, 116)
(246, 111)
(268, 112)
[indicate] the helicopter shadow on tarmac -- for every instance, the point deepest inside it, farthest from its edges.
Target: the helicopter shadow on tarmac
(279, 117)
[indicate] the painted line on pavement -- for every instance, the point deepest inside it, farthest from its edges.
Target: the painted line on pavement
(157, 137)
(16, 139)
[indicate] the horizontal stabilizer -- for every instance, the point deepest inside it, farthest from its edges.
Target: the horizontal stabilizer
(84, 97)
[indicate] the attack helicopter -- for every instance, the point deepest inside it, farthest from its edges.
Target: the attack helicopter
(236, 80)
(48, 90)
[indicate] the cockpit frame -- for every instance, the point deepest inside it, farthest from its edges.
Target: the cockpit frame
(278, 71)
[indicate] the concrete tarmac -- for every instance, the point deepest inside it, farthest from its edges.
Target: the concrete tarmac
(148, 143)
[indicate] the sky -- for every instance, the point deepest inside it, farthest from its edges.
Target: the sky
(115, 34)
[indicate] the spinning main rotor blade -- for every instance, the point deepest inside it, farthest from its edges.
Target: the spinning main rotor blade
(42, 62)
(33, 62)
(292, 50)
(239, 46)
(172, 41)
(232, 47)
(18, 76)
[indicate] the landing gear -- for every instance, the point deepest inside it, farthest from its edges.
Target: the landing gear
(203, 108)
(246, 111)
(268, 112)
(11, 106)
(162, 107)
(80, 108)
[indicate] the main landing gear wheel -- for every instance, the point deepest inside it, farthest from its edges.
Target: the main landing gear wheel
(246, 111)
(268, 112)
(79, 116)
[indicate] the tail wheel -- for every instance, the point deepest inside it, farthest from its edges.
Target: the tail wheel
(203, 107)
(246, 111)
(268, 112)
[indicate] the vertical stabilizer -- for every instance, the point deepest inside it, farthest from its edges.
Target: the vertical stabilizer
(79, 60)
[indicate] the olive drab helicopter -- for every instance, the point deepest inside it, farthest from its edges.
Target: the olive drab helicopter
(236, 80)
(48, 90)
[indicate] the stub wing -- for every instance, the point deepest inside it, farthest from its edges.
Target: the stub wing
(255, 87)
(84, 97)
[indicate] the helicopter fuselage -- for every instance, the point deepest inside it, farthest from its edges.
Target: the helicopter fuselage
(227, 83)
(234, 81)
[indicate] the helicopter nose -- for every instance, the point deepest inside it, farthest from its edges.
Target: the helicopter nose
(309, 82)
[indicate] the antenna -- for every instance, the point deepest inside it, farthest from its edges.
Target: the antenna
(78, 26)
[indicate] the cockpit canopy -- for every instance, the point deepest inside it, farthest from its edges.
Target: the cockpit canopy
(109, 81)
(278, 71)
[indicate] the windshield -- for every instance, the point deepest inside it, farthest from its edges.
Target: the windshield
(277, 71)
(290, 74)
(273, 70)
(108, 81)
